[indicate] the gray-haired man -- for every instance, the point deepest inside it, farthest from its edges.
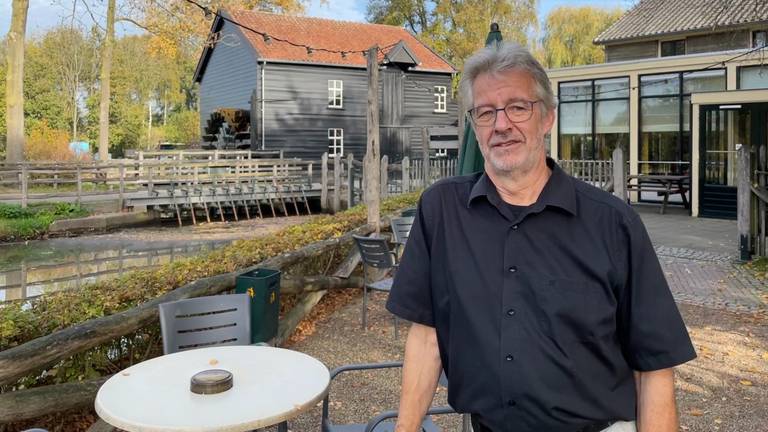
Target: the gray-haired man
(540, 296)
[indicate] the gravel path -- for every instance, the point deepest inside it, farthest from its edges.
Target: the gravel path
(724, 389)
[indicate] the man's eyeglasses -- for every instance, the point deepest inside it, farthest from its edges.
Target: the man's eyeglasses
(517, 112)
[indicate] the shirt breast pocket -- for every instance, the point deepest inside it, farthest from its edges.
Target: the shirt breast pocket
(572, 309)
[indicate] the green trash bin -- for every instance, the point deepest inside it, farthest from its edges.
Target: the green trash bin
(263, 286)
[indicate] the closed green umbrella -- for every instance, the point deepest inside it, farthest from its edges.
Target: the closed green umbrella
(470, 158)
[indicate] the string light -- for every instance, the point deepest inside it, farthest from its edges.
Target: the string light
(268, 38)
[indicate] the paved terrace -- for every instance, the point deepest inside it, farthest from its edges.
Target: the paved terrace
(699, 259)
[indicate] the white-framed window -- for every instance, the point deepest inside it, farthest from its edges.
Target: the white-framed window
(335, 142)
(335, 93)
(441, 93)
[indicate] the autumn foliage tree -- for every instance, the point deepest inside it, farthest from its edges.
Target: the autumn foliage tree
(569, 32)
(456, 29)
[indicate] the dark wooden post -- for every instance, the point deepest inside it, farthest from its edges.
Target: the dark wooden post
(254, 114)
(24, 180)
(79, 185)
(122, 185)
(619, 174)
(425, 156)
(743, 198)
(406, 170)
(336, 183)
(371, 161)
(324, 182)
(384, 175)
(350, 180)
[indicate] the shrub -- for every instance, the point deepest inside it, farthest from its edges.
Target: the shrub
(20, 323)
(47, 144)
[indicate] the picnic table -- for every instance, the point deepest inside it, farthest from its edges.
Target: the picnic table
(663, 185)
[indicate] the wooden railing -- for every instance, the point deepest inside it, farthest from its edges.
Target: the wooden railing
(598, 173)
(752, 202)
(345, 175)
(117, 179)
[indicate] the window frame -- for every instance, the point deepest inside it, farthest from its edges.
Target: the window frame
(593, 100)
(754, 66)
(681, 98)
(332, 93)
(336, 142)
(676, 42)
(441, 99)
(753, 42)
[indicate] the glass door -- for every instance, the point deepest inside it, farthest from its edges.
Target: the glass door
(724, 129)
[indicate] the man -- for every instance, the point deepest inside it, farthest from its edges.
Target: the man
(540, 296)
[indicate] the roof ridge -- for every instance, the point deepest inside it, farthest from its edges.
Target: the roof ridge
(286, 15)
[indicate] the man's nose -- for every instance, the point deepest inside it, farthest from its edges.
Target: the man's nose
(502, 122)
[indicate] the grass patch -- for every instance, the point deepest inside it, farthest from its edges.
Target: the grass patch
(17, 223)
(759, 267)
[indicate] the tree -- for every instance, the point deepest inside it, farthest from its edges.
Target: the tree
(569, 32)
(14, 90)
(456, 29)
(106, 69)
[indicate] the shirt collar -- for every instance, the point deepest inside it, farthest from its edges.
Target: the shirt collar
(558, 192)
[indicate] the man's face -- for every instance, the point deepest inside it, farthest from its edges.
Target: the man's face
(510, 147)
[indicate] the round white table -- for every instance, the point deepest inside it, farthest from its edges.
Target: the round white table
(270, 385)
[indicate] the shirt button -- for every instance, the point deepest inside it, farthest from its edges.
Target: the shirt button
(510, 357)
(513, 269)
(511, 312)
(511, 403)
(515, 227)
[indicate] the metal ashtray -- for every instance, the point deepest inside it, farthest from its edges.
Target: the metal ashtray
(211, 381)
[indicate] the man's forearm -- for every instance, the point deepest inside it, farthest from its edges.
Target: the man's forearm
(656, 410)
(421, 370)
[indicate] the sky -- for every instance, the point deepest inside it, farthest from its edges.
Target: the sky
(44, 14)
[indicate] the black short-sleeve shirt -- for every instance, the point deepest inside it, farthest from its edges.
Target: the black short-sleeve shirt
(541, 312)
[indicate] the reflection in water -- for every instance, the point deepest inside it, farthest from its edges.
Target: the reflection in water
(33, 269)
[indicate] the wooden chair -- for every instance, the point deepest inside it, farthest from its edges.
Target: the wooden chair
(205, 321)
(375, 253)
(379, 423)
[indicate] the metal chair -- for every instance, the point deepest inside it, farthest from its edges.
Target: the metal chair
(401, 229)
(205, 321)
(375, 253)
(410, 211)
(378, 423)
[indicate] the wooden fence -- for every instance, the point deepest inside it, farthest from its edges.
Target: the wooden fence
(752, 203)
(341, 178)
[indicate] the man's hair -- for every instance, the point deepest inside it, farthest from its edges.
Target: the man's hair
(501, 58)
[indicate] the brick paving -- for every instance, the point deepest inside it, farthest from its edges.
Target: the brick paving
(699, 258)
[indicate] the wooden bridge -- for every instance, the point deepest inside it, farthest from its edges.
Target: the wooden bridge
(215, 184)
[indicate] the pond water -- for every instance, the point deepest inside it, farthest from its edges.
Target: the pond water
(38, 267)
(34, 268)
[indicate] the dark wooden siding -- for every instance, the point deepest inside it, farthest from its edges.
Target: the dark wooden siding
(718, 42)
(419, 90)
(297, 116)
(631, 51)
(230, 76)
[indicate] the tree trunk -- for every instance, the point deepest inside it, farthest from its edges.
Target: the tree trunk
(372, 154)
(106, 70)
(39, 401)
(14, 90)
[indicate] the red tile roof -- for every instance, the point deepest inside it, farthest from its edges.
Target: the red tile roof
(328, 34)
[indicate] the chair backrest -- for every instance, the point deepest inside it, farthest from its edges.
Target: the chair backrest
(375, 252)
(205, 321)
(401, 228)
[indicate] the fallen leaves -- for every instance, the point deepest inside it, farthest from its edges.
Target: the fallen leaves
(745, 382)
